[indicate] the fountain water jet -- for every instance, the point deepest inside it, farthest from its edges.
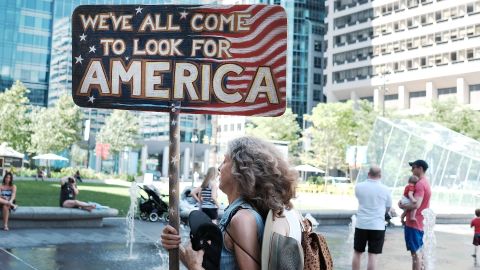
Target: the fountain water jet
(351, 235)
(130, 219)
(429, 239)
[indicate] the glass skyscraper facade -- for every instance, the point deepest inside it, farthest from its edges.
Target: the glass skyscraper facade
(25, 38)
(305, 54)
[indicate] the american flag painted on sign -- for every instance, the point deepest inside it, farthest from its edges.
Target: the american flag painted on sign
(263, 45)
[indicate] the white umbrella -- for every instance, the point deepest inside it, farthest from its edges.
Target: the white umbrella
(48, 157)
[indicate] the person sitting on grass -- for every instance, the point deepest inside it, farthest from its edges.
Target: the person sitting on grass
(7, 198)
(68, 193)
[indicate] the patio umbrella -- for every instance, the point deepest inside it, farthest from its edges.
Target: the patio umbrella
(49, 157)
(307, 168)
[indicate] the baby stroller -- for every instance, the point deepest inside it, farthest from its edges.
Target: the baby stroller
(154, 207)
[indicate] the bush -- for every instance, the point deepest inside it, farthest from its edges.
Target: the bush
(25, 172)
(316, 180)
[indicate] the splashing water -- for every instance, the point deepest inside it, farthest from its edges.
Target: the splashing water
(163, 256)
(351, 235)
(429, 239)
(130, 219)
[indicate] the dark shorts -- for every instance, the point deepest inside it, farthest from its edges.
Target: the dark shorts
(211, 212)
(374, 238)
(476, 239)
(413, 239)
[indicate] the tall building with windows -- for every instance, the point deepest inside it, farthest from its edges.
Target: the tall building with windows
(25, 33)
(402, 54)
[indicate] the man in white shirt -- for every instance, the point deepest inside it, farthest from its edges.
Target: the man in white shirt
(374, 200)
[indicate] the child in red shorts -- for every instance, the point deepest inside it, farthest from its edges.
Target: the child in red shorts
(476, 236)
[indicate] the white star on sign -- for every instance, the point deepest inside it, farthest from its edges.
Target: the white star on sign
(83, 37)
(78, 59)
(174, 122)
(174, 160)
(183, 15)
(91, 99)
(139, 10)
(126, 58)
(92, 49)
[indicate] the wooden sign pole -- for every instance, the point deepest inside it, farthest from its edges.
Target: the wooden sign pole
(173, 187)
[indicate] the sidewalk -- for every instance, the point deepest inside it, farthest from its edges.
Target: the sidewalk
(104, 248)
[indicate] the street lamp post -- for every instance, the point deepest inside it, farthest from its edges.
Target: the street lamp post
(194, 140)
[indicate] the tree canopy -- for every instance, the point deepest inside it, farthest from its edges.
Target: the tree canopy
(57, 128)
(14, 120)
(282, 128)
(121, 130)
(334, 126)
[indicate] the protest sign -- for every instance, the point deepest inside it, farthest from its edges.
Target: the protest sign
(211, 59)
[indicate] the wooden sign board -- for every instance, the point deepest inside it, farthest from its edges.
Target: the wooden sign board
(212, 59)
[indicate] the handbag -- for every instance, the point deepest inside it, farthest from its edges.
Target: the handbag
(315, 249)
(280, 252)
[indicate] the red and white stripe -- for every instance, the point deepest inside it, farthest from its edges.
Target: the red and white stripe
(265, 44)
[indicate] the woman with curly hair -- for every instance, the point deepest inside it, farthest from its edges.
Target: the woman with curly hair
(256, 179)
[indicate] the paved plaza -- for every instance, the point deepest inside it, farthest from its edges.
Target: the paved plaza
(105, 248)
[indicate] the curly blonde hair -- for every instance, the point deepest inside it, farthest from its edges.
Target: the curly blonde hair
(265, 179)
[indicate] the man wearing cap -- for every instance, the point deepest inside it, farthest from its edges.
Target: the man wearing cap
(414, 228)
(374, 200)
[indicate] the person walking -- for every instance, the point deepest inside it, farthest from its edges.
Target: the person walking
(414, 228)
(374, 201)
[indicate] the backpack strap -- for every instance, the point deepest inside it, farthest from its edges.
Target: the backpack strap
(234, 211)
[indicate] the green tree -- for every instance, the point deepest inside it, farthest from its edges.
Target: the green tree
(334, 126)
(14, 120)
(56, 128)
(456, 117)
(282, 128)
(121, 130)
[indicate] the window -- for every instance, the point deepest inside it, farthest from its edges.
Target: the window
(474, 87)
(418, 94)
(29, 21)
(232, 127)
(423, 61)
(390, 97)
(470, 8)
(470, 54)
(317, 78)
(453, 56)
(446, 91)
(239, 127)
(318, 46)
(317, 62)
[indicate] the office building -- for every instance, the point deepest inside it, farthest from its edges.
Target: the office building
(403, 54)
(25, 38)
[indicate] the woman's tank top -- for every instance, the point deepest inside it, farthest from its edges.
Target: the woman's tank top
(228, 261)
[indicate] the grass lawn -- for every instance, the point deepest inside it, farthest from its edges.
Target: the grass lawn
(38, 193)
